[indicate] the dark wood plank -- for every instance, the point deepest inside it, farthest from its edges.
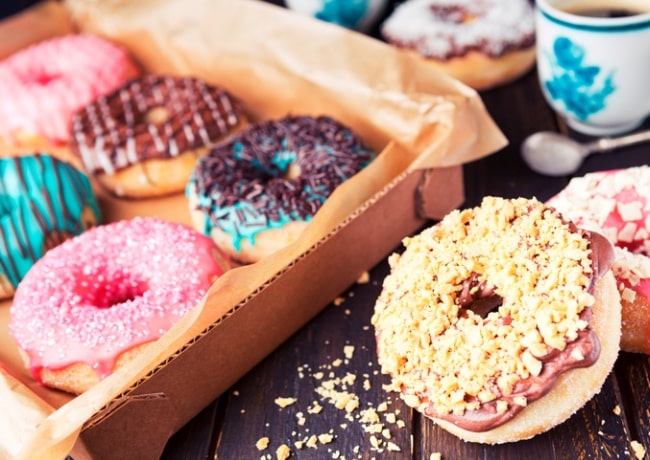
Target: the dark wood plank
(293, 371)
(196, 440)
(633, 376)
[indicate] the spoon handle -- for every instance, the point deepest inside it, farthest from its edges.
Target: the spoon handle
(605, 144)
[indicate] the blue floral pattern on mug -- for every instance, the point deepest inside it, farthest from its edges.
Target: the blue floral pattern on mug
(346, 13)
(576, 83)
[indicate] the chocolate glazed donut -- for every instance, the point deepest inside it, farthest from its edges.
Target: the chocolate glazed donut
(143, 139)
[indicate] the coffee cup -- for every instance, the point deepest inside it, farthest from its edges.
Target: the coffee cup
(593, 62)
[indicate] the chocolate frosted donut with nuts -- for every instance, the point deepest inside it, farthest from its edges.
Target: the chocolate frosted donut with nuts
(143, 139)
(482, 43)
(255, 192)
(500, 321)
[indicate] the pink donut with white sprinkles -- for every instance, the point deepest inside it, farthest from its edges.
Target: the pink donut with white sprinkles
(93, 302)
(42, 85)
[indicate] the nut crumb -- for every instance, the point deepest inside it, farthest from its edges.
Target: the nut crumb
(325, 438)
(364, 278)
(638, 449)
(262, 443)
(435, 456)
(282, 452)
(284, 402)
(617, 410)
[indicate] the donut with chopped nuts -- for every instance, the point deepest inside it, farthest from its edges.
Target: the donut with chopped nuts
(142, 140)
(500, 321)
(255, 192)
(617, 204)
(483, 44)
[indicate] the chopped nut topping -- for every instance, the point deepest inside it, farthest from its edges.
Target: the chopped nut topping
(429, 343)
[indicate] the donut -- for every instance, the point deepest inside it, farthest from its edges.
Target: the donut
(41, 86)
(93, 303)
(617, 204)
(256, 192)
(142, 140)
(500, 321)
(43, 201)
(483, 44)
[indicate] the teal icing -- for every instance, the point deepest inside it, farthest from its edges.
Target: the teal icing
(41, 198)
(346, 13)
(257, 222)
(283, 159)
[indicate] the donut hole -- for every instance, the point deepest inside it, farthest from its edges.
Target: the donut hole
(156, 115)
(45, 79)
(118, 289)
(452, 14)
(479, 297)
(285, 162)
(485, 305)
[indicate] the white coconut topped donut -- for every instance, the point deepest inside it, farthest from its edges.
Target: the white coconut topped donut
(482, 43)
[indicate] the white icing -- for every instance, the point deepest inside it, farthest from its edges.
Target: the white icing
(492, 26)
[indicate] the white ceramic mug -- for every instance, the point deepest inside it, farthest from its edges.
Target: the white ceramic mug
(593, 61)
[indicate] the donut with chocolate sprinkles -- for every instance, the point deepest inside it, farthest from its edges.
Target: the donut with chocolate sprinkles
(500, 321)
(143, 139)
(255, 192)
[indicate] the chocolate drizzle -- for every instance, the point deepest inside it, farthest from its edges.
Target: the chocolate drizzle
(42, 201)
(242, 183)
(151, 117)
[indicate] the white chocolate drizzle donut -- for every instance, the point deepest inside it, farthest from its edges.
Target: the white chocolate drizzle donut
(151, 119)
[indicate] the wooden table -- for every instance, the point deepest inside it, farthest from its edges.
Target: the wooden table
(336, 352)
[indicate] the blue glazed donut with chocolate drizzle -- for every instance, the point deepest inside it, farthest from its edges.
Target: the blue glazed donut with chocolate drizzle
(255, 192)
(43, 201)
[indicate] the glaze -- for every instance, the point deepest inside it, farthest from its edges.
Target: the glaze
(155, 116)
(109, 290)
(43, 201)
(42, 85)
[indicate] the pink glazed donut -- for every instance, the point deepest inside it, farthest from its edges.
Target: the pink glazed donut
(42, 85)
(95, 301)
(617, 203)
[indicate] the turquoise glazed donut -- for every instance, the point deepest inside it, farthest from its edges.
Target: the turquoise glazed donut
(43, 201)
(255, 192)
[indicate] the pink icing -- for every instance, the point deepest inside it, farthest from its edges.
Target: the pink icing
(615, 202)
(43, 85)
(109, 289)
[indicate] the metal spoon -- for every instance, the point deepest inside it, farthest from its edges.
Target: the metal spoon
(555, 154)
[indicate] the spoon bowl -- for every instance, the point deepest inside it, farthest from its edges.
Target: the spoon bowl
(554, 154)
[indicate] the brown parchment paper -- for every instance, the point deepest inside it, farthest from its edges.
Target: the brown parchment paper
(277, 62)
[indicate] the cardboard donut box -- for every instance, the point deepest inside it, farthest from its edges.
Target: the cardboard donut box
(424, 124)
